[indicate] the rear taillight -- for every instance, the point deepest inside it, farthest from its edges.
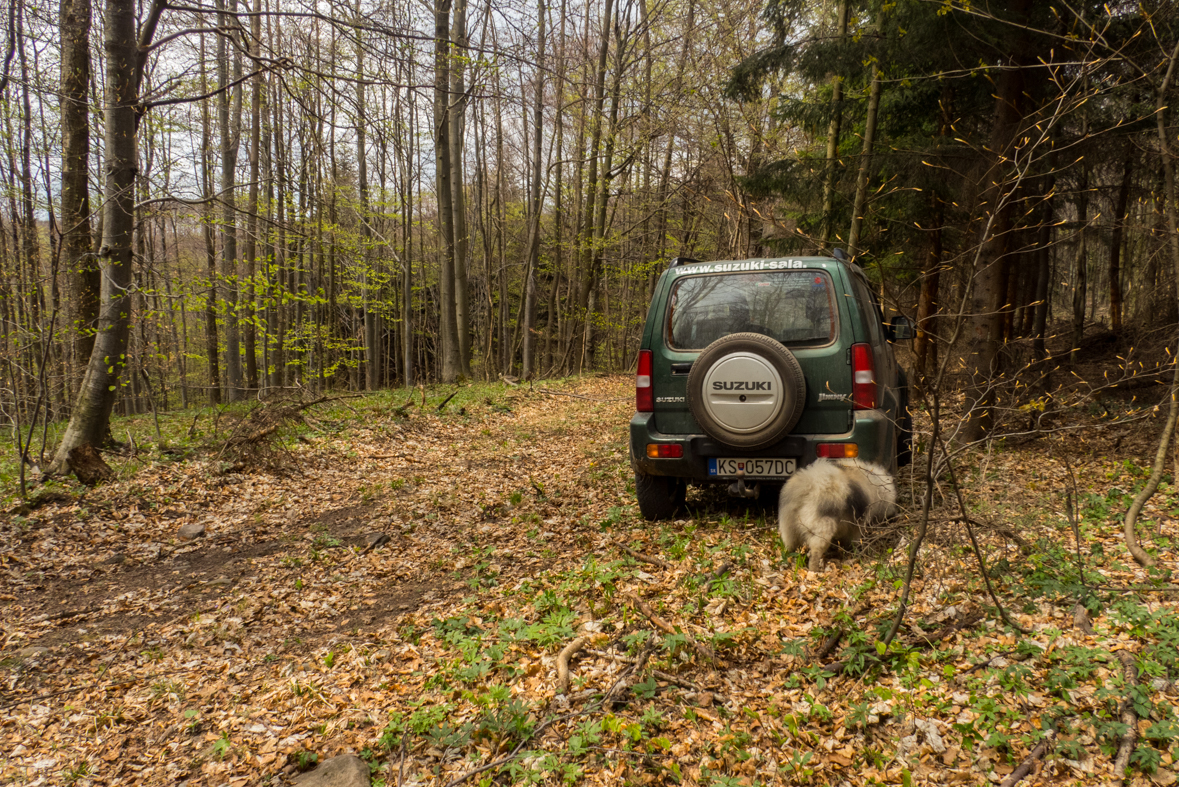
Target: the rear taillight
(664, 451)
(863, 377)
(644, 393)
(837, 450)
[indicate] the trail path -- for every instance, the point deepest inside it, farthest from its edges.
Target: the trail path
(406, 594)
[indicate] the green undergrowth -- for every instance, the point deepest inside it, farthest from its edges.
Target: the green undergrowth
(198, 433)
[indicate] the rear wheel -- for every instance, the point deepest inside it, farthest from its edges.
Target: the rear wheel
(660, 497)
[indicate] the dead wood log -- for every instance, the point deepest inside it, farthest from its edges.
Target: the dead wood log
(88, 465)
(701, 649)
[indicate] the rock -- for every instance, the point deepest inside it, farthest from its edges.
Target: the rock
(32, 652)
(190, 532)
(115, 559)
(347, 770)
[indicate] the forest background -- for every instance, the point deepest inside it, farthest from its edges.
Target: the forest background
(207, 203)
(276, 206)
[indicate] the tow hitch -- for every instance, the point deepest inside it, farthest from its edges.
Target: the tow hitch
(739, 489)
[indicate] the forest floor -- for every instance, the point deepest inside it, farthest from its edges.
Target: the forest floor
(400, 581)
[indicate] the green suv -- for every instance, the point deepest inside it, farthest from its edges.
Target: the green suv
(749, 370)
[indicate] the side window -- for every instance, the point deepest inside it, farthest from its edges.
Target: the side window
(870, 312)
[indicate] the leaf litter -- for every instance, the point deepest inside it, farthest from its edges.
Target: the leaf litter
(468, 594)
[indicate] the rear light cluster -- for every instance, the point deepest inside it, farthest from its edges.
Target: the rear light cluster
(644, 393)
(664, 451)
(837, 450)
(863, 377)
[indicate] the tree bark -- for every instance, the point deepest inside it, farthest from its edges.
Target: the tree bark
(588, 252)
(90, 419)
(372, 347)
(76, 242)
(987, 279)
(833, 134)
(229, 117)
(865, 170)
(250, 247)
(457, 138)
(535, 205)
(451, 367)
(1121, 211)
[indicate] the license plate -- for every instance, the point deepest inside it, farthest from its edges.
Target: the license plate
(754, 468)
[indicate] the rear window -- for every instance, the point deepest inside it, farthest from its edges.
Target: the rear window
(794, 307)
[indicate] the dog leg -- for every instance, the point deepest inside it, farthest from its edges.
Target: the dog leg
(819, 541)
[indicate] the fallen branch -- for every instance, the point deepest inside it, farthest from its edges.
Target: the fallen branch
(644, 558)
(447, 399)
(1030, 761)
(568, 652)
(1127, 715)
(642, 606)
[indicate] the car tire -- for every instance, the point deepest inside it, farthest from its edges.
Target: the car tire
(660, 497)
(904, 426)
(751, 424)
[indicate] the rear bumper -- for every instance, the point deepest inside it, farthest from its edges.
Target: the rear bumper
(871, 431)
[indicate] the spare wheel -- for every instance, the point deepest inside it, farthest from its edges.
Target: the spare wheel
(746, 390)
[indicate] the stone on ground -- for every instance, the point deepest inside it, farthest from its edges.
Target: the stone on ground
(347, 770)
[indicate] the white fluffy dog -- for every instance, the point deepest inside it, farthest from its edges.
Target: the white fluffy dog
(829, 501)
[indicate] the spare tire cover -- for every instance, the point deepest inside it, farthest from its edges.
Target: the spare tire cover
(746, 390)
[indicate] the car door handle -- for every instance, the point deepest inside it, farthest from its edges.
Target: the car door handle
(681, 368)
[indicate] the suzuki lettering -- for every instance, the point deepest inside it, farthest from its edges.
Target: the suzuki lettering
(739, 386)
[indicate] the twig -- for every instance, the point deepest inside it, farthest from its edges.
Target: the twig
(642, 606)
(1030, 761)
(644, 558)
(982, 566)
(447, 399)
(1070, 499)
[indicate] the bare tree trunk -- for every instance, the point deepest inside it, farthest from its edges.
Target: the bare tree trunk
(250, 247)
(987, 280)
(90, 420)
(589, 254)
(76, 243)
(229, 116)
(457, 138)
(1081, 280)
(535, 205)
(451, 365)
(833, 134)
(372, 348)
(1121, 210)
(212, 350)
(865, 170)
